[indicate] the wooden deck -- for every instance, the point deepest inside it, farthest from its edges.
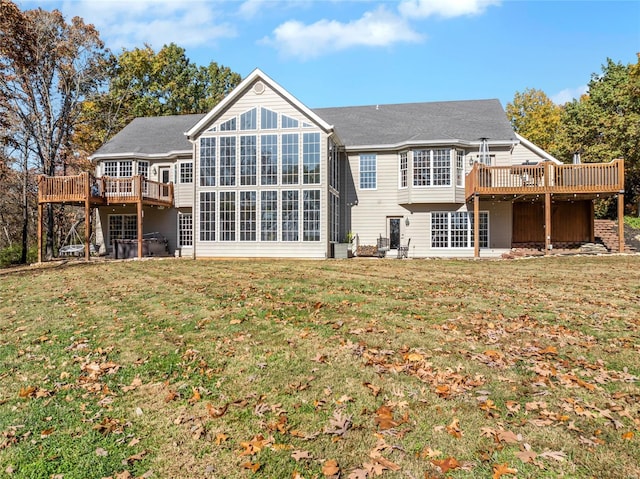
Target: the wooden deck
(85, 190)
(103, 191)
(547, 177)
(549, 181)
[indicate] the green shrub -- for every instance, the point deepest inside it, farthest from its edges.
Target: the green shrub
(633, 221)
(12, 254)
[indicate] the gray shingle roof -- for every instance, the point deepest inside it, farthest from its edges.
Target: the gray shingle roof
(356, 126)
(414, 122)
(156, 135)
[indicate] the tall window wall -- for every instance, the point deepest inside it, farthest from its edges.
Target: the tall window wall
(259, 176)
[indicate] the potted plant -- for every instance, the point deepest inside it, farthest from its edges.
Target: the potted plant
(342, 250)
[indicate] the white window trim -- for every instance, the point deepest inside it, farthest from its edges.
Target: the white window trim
(470, 247)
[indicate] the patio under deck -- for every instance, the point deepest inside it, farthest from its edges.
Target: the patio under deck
(84, 189)
(548, 180)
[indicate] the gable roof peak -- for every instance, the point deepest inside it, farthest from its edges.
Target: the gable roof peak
(244, 87)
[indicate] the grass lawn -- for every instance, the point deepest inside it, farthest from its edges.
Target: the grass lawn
(297, 369)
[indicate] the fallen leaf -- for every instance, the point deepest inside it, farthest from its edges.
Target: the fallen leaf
(299, 455)
(217, 412)
(500, 470)
(220, 438)
(384, 418)
(446, 464)
(47, 432)
(628, 436)
(330, 468)
(102, 452)
(196, 396)
(253, 467)
(526, 456)
(454, 428)
(375, 390)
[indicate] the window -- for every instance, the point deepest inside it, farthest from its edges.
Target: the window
(459, 168)
(228, 161)
(207, 216)
(455, 229)
(207, 162)
(335, 217)
(404, 170)
(268, 120)
(421, 170)
(311, 215)
(290, 160)
(290, 215)
(432, 167)
(311, 158)
(269, 160)
(227, 216)
(334, 166)
(143, 168)
(248, 160)
(368, 174)
(268, 215)
(122, 227)
(185, 229)
(288, 122)
(229, 125)
(248, 216)
(248, 120)
(441, 167)
(483, 230)
(186, 172)
(118, 169)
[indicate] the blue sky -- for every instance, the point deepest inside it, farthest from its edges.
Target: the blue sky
(340, 53)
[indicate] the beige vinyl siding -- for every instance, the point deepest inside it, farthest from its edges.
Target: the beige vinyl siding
(521, 154)
(369, 216)
(183, 195)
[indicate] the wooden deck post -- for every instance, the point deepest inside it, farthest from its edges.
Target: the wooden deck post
(87, 215)
(547, 223)
(476, 225)
(138, 183)
(39, 232)
(621, 222)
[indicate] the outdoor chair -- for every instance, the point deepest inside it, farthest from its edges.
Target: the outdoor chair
(403, 250)
(382, 246)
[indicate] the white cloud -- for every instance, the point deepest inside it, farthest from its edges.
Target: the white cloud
(374, 29)
(569, 94)
(128, 24)
(444, 8)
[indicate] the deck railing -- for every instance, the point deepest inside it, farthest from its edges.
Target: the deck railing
(61, 189)
(546, 177)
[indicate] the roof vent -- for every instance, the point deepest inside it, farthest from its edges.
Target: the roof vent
(258, 88)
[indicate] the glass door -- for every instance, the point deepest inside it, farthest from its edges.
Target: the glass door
(394, 233)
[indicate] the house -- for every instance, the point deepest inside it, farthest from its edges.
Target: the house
(263, 175)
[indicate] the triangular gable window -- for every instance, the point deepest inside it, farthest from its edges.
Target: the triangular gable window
(268, 119)
(229, 125)
(307, 125)
(248, 120)
(288, 122)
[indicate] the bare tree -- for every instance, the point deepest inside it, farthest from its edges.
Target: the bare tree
(47, 68)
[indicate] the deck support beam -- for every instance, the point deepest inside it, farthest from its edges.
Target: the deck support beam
(40, 206)
(87, 216)
(476, 225)
(621, 222)
(547, 223)
(138, 186)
